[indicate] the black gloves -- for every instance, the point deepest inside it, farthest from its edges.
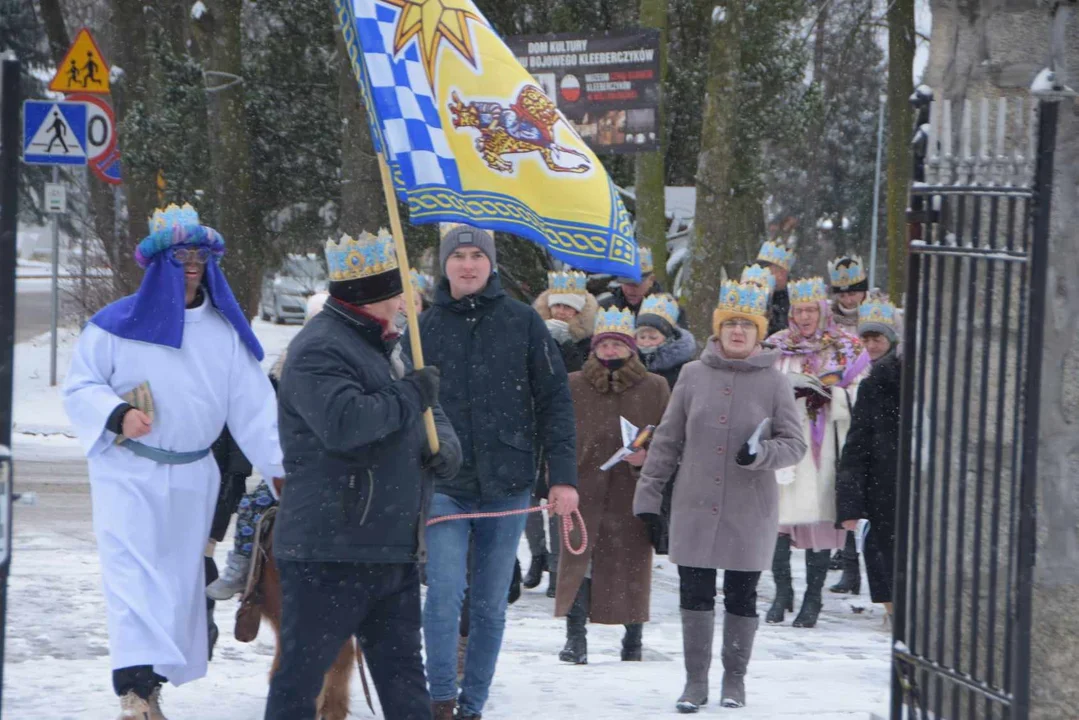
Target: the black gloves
(744, 457)
(426, 381)
(440, 466)
(657, 528)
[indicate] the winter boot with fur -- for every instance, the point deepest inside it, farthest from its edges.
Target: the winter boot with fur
(631, 642)
(781, 573)
(576, 650)
(816, 573)
(233, 580)
(698, 627)
(155, 705)
(738, 634)
(133, 707)
(851, 582)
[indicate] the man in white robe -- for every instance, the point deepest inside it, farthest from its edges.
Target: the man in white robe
(153, 481)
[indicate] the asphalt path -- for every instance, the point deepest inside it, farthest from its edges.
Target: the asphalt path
(33, 307)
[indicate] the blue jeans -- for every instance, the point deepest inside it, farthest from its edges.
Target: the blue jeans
(494, 553)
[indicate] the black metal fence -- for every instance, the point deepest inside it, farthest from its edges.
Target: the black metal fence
(975, 298)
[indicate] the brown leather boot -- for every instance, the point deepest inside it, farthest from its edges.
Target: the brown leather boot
(443, 709)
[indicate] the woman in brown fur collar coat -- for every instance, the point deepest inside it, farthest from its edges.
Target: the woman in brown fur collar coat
(611, 582)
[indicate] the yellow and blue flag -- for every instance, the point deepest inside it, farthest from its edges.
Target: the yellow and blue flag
(471, 138)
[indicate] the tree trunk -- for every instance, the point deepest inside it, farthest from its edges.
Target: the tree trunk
(650, 182)
(220, 44)
(899, 164)
(714, 245)
(363, 205)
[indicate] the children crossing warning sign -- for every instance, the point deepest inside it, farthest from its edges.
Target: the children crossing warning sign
(83, 69)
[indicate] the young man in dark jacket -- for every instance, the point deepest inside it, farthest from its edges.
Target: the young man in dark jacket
(503, 387)
(866, 476)
(349, 531)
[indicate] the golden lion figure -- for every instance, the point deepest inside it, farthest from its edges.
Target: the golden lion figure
(526, 126)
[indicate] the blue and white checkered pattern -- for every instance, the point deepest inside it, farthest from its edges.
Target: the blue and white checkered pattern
(404, 101)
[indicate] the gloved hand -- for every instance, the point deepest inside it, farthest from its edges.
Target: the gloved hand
(439, 466)
(426, 380)
(559, 330)
(744, 457)
(657, 527)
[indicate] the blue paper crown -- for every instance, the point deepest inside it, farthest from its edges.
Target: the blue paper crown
(776, 254)
(879, 311)
(354, 258)
(743, 297)
(644, 254)
(176, 225)
(613, 320)
(567, 283)
(808, 290)
(759, 276)
(844, 277)
(421, 281)
(662, 305)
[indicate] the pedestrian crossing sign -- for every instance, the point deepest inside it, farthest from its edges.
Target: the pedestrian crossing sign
(54, 133)
(83, 69)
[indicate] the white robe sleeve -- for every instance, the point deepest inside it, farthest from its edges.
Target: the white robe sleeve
(88, 397)
(252, 414)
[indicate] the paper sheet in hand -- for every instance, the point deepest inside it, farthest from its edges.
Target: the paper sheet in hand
(633, 439)
(859, 535)
(139, 398)
(755, 438)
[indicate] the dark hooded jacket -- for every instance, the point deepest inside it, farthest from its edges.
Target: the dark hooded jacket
(504, 388)
(669, 357)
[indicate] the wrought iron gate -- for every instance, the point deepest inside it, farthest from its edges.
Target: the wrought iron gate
(975, 299)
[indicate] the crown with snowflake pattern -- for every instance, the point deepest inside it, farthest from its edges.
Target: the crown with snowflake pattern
(354, 258)
(807, 290)
(878, 314)
(662, 305)
(569, 282)
(422, 282)
(613, 320)
(743, 298)
(777, 254)
(847, 272)
(759, 275)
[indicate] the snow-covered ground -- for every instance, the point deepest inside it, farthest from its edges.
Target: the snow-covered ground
(57, 662)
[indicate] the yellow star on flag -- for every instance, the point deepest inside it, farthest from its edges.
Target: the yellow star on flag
(433, 21)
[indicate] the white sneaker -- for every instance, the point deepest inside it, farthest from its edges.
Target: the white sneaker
(233, 579)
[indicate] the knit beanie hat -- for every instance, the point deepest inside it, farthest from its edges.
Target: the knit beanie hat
(464, 235)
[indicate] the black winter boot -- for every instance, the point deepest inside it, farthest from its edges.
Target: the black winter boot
(576, 650)
(816, 572)
(515, 584)
(851, 582)
(535, 572)
(552, 583)
(781, 573)
(631, 642)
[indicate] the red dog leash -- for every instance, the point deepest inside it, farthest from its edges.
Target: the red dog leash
(567, 523)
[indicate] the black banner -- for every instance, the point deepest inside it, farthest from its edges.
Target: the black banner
(607, 85)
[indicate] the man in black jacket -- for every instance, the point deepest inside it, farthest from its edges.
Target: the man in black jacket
(504, 388)
(349, 531)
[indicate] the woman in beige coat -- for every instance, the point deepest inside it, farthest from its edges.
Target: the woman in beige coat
(724, 512)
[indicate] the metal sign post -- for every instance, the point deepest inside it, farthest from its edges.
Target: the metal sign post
(55, 283)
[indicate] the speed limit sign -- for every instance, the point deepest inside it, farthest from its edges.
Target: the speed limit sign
(100, 125)
(101, 153)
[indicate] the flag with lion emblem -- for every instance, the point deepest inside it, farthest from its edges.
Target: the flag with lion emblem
(471, 138)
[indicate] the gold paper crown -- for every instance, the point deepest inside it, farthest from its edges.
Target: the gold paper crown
(852, 272)
(644, 254)
(613, 320)
(354, 258)
(173, 215)
(808, 290)
(878, 311)
(743, 297)
(774, 253)
(661, 305)
(759, 276)
(569, 282)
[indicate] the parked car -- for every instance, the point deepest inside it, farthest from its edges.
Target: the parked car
(285, 291)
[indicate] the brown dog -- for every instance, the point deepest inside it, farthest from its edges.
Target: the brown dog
(262, 599)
